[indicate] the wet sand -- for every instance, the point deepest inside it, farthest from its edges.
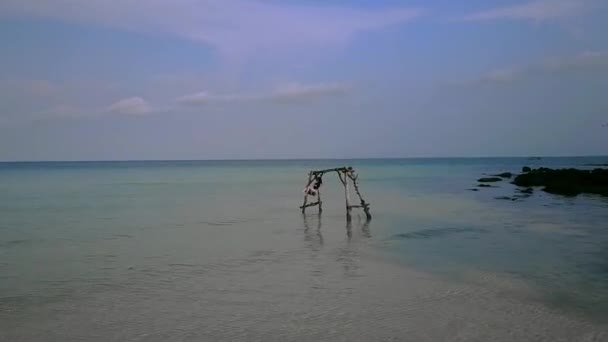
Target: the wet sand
(332, 287)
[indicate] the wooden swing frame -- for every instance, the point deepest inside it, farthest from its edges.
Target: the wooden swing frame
(344, 174)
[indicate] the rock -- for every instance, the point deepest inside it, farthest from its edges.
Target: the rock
(504, 175)
(473, 189)
(503, 198)
(486, 186)
(527, 191)
(526, 169)
(563, 189)
(566, 182)
(489, 179)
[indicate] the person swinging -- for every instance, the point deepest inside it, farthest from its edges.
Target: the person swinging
(314, 188)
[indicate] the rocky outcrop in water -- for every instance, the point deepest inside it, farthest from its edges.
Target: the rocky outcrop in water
(489, 179)
(567, 182)
(504, 175)
(528, 191)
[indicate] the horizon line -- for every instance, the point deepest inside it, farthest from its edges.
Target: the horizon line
(294, 159)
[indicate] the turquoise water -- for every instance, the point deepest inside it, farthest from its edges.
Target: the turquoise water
(218, 250)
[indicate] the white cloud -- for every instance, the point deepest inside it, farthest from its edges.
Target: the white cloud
(41, 87)
(63, 111)
(583, 61)
(536, 10)
(203, 98)
(130, 106)
(297, 91)
(284, 93)
(30, 87)
(236, 27)
(135, 106)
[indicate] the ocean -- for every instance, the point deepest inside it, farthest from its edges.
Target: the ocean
(219, 251)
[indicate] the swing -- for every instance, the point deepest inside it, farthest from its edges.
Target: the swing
(313, 188)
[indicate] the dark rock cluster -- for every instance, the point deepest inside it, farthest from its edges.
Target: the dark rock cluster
(489, 179)
(567, 182)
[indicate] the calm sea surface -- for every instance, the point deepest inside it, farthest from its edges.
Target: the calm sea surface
(219, 251)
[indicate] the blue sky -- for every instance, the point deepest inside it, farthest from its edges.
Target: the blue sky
(247, 79)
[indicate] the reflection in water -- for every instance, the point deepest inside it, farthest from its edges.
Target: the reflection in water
(349, 229)
(348, 250)
(363, 225)
(313, 237)
(349, 254)
(365, 229)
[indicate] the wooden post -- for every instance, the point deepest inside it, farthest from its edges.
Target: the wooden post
(346, 195)
(306, 193)
(319, 200)
(364, 205)
(348, 208)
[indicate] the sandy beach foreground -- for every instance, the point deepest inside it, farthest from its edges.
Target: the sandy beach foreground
(331, 288)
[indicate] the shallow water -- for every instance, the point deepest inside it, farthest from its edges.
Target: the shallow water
(180, 251)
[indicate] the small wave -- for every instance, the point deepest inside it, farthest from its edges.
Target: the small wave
(147, 183)
(261, 254)
(15, 243)
(119, 236)
(123, 235)
(182, 265)
(437, 232)
(217, 223)
(226, 222)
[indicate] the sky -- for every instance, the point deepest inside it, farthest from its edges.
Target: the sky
(266, 79)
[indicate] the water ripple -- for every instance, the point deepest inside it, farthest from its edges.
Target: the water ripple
(438, 232)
